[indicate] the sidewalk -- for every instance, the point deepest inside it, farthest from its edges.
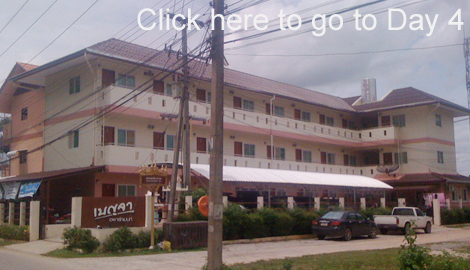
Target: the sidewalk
(38, 247)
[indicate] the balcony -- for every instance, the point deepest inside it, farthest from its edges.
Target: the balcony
(137, 156)
(151, 104)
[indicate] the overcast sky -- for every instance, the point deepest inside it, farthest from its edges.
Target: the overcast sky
(334, 63)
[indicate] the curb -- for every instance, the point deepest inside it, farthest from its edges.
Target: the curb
(268, 239)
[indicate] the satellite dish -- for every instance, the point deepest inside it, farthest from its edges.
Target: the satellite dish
(388, 169)
(203, 205)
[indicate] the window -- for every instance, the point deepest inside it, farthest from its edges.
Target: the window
(249, 150)
(346, 160)
(24, 113)
(403, 159)
(126, 190)
(297, 114)
(279, 111)
(306, 116)
(399, 120)
(126, 80)
(352, 161)
(322, 119)
(209, 97)
(248, 105)
(303, 155)
(158, 140)
(170, 142)
(158, 87)
(323, 157)
(169, 90)
(440, 157)
(464, 195)
(279, 153)
(330, 121)
(74, 85)
(126, 137)
(73, 139)
(331, 159)
(23, 156)
(201, 145)
(344, 123)
(385, 120)
(438, 120)
(454, 193)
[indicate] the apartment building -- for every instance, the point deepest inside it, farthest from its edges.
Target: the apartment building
(115, 104)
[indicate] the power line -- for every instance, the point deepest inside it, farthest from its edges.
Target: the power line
(11, 45)
(11, 19)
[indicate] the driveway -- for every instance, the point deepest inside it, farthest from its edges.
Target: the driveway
(260, 251)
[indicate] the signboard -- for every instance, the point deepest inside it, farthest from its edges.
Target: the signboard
(28, 189)
(428, 197)
(112, 212)
(11, 189)
(154, 180)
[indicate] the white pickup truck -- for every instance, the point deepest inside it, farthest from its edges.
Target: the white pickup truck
(403, 218)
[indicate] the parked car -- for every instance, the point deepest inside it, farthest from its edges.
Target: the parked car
(403, 218)
(345, 224)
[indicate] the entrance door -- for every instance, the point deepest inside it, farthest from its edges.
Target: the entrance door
(388, 159)
(108, 190)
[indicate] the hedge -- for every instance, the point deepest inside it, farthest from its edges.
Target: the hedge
(13, 232)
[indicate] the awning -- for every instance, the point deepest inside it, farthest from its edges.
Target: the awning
(256, 175)
(28, 189)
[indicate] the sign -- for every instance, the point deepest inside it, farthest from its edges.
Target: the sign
(112, 212)
(28, 189)
(11, 189)
(153, 176)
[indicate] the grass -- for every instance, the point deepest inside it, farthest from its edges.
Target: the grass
(5, 242)
(375, 259)
(65, 253)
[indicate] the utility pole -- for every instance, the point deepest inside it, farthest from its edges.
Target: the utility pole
(185, 104)
(214, 258)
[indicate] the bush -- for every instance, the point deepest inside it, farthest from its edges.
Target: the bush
(78, 238)
(253, 227)
(370, 212)
(412, 256)
(142, 238)
(14, 232)
(302, 221)
(119, 240)
(192, 214)
(455, 216)
(234, 222)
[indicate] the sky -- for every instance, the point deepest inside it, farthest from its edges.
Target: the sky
(39, 31)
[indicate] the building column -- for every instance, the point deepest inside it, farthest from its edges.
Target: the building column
(34, 220)
(436, 205)
(2, 213)
(76, 219)
(317, 203)
(363, 203)
(401, 202)
(341, 202)
(382, 202)
(11, 213)
(22, 213)
(148, 211)
(290, 203)
(188, 202)
(448, 203)
(260, 204)
(225, 201)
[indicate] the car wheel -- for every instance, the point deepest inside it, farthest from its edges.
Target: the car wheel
(383, 231)
(428, 228)
(347, 234)
(407, 229)
(373, 232)
(321, 237)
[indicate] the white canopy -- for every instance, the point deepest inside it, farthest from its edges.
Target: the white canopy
(244, 174)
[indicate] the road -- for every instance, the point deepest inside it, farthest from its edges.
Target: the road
(232, 253)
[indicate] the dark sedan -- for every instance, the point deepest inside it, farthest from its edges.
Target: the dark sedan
(345, 224)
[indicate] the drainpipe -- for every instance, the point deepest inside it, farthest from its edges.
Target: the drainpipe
(93, 160)
(271, 126)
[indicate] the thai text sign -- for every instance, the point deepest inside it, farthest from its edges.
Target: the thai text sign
(111, 212)
(154, 180)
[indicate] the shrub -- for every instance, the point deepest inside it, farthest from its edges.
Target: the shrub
(370, 212)
(283, 225)
(234, 221)
(412, 256)
(13, 232)
(455, 216)
(253, 227)
(142, 238)
(119, 240)
(192, 214)
(78, 238)
(302, 221)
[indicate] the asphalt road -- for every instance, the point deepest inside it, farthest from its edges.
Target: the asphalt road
(232, 253)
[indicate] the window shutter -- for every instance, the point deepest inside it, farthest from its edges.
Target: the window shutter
(322, 119)
(158, 87)
(238, 148)
(108, 77)
(201, 95)
(237, 102)
(201, 145)
(323, 157)
(158, 140)
(268, 151)
(296, 114)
